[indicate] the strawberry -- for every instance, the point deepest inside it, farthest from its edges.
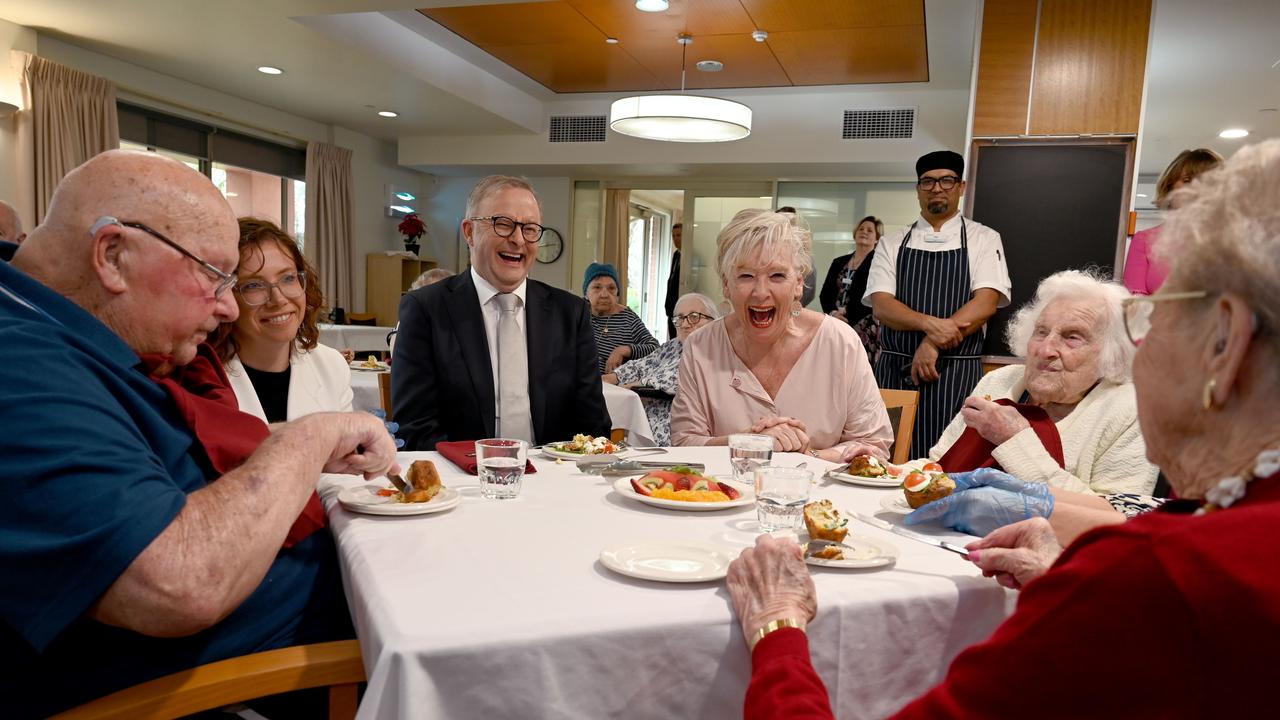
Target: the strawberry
(640, 487)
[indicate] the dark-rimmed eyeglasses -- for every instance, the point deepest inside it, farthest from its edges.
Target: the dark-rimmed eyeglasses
(222, 280)
(692, 318)
(948, 182)
(504, 226)
(257, 292)
(1137, 311)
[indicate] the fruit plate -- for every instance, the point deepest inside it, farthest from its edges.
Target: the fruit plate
(622, 486)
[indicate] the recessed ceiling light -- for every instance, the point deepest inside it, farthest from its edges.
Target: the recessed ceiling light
(652, 5)
(611, 41)
(1233, 133)
(710, 65)
(1142, 194)
(268, 70)
(388, 113)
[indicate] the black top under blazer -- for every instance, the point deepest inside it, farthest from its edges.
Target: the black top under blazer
(442, 381)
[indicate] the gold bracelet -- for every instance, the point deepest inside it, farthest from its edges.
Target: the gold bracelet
(774, 625)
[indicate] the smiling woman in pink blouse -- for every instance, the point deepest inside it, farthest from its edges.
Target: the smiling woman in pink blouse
(772, 367)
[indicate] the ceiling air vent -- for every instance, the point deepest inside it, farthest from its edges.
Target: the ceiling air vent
(583, 128)
(890, 124)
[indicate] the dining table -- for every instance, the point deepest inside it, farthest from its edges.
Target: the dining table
(361, 338)
(507, 608)
(624, 406)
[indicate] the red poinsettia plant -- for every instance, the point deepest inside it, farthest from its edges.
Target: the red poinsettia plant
(411, 227)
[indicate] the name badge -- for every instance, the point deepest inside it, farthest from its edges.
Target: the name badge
(933, 237)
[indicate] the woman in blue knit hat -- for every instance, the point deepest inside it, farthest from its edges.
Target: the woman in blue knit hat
(620, 335)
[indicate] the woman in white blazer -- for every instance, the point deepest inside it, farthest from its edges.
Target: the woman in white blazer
(277, 368)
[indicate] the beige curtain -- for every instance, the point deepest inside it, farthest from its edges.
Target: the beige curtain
(73, 118)
(617, 226)
(329, 227)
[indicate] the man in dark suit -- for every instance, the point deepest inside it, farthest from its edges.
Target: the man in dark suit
(489, 352)
(673, 280)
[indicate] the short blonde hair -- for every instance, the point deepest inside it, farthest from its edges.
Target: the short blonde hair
(1115, 351)
(766, 231)
(1225, 234)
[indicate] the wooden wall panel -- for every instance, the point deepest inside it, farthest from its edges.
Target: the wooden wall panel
(1090, 63)
(1004, 62)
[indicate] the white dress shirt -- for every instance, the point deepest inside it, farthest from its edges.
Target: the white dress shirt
(486, 292)
(987, 267)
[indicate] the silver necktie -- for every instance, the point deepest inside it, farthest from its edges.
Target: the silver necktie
(514, 419)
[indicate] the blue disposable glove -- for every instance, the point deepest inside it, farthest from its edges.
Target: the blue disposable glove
(391, 426)
(990, 477)
(979, 509)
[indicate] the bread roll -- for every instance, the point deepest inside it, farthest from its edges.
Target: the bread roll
(823, 521)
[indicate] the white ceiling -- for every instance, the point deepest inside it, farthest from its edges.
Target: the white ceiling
(1213, 66)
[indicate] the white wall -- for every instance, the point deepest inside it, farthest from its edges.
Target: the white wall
(13, 37)
(373, 164)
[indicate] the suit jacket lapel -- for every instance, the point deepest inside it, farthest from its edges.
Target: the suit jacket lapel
(462, 303)
(537, 313)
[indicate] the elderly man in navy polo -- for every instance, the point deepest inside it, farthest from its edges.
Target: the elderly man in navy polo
(126, 553)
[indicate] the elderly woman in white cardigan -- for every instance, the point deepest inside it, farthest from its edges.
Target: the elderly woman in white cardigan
(1077, 371)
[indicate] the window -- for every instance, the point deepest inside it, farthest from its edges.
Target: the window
(259, 178)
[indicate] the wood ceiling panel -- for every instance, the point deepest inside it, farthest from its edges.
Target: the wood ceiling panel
(775, 16)
(519, 24)
(620, 19)
(747, 63)
(565, 67)
(865, 55)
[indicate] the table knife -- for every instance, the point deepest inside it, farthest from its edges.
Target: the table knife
(890, 527)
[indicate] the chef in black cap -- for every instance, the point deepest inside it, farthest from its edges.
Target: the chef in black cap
(933, 286)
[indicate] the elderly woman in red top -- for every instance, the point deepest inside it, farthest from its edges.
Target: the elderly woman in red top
(1172, 614)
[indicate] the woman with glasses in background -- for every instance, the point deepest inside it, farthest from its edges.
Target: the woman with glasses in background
(276, 366)
(661, 369)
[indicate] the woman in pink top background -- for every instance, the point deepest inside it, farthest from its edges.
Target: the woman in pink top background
(772, 367)
(1143, 274)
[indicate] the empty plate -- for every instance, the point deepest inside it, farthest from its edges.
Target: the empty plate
(669, 561)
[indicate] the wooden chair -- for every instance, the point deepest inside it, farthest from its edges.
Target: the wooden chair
(336, 665)
(901, 405)
(384, 392)
(362, 319)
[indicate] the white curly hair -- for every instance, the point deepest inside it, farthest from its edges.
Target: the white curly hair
(1115, 351)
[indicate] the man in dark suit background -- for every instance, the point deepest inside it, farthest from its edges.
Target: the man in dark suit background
(489, 352)
(673, 280)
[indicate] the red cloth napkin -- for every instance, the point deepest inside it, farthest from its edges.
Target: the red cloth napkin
(463, 454)
(972, 451)
(203, 395)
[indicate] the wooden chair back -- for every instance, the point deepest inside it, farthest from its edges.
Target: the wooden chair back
(901, 405)
(384, 392)
(362, 319)
(336, 665)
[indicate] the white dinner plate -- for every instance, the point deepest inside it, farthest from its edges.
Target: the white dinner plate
(880, 482)
(360, 365)
(365, 499)
(860, 552)
(554, 453)
(895, 503)
(669, 561)
(622, 486)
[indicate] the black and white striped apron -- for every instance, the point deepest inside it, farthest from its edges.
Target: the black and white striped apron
(937, 284)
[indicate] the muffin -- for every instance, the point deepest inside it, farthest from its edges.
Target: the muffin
(823, 521)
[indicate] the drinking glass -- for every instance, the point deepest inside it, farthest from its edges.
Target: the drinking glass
(500, 463)
(748, 452)
(781, 493)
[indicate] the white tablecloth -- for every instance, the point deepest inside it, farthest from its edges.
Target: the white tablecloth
(364, 390)
(500, 609)
(627, 414)
(362, 338)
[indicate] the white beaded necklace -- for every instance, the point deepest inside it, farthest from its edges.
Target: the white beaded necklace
(1230, 489)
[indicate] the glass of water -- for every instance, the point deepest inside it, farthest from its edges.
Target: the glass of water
(748, 452)
(500, 463)
(781, 493)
